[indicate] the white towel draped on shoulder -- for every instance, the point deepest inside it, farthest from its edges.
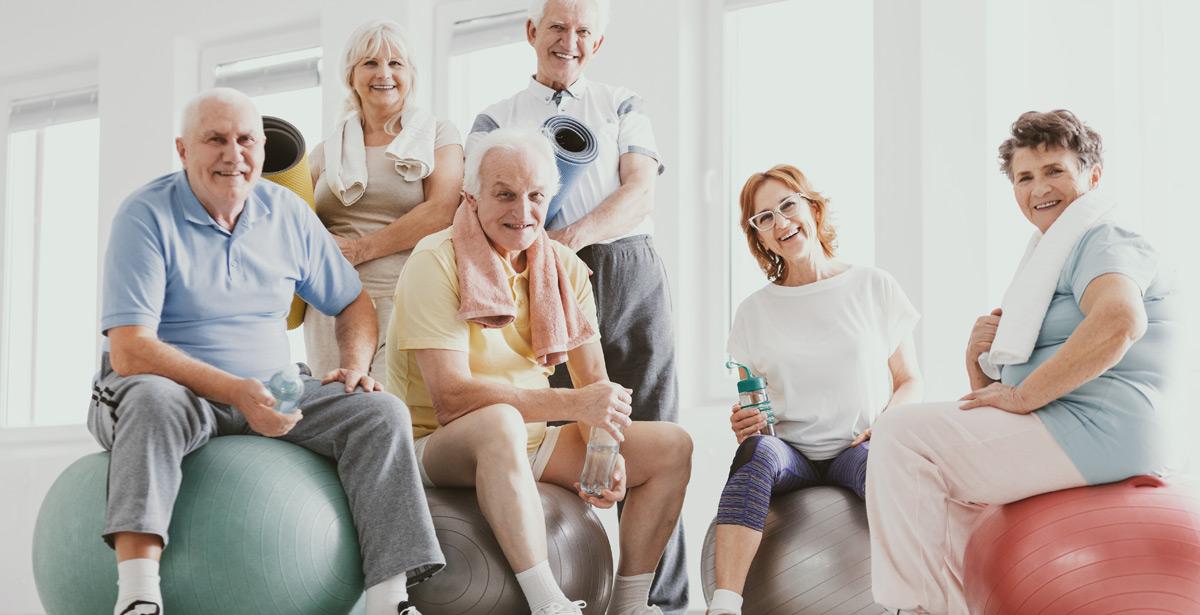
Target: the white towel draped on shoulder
(1032, 288)
(346, 155)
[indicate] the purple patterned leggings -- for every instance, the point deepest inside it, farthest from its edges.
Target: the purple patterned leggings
(765, 465)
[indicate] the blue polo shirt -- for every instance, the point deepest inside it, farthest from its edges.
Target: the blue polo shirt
(220, 296)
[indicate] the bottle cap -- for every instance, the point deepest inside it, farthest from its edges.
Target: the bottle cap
(291, 369)
(750, 385)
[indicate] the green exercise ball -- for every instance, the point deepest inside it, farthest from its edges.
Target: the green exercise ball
(260, 526)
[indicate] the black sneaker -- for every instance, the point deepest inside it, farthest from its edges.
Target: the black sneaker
(141, 607)
(407, 608)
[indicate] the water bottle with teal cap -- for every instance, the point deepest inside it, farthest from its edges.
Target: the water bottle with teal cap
(752, 393)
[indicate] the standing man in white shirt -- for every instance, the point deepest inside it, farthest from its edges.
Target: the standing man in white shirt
(605, 217)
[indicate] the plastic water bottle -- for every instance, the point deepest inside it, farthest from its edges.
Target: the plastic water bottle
(752, 393)
(598, 466)
(287, 386)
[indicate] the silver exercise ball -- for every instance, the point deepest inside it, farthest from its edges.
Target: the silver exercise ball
(815, 557)
(477, 579)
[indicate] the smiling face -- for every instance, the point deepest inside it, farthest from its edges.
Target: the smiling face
(795, 237)
(222, 152)
(1046, 180)
(512, 202)
(565, 41)
(382, 80)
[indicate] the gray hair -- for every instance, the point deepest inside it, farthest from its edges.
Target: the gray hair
(370, 39)
(190, 118)
(533, 145)
(537, 8)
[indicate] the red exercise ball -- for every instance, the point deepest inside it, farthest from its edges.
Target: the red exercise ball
(1121, 547)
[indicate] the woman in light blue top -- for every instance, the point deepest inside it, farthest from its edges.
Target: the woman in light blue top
(1086, 408)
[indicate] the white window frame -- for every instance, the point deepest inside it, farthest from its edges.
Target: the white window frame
(489, 23)
(16, 91)
(304, 36)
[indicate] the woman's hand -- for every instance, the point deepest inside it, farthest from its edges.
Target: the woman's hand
(862, 437)
(746, 423)
(352, 249)
(610, 496)
(983, 334)
(998, 395)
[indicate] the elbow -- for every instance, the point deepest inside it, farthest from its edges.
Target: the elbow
(122, 361)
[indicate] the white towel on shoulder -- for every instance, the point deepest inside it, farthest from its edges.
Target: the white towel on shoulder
(346, 154)
(1032, 287)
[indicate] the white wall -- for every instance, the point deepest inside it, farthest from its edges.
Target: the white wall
(950, 75)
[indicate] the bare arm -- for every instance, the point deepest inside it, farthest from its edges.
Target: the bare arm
(455, 393)
(356, 328)
(443, 192)
(622, 211)
(1114, 318)
(907, 384)
(136, 350)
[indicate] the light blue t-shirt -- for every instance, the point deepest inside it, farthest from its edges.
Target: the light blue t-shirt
(1113, 426)
(220, 296)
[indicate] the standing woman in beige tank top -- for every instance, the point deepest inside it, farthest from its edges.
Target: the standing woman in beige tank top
(389, 175)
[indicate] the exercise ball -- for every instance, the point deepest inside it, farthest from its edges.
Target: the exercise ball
(815, 557)
(477, 578)
(1121, 547)
(260, 526)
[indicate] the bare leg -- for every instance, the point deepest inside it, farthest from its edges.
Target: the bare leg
(736, 547)
(136, 545)
(486, 450)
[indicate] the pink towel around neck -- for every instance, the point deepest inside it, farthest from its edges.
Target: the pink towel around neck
(556, 322)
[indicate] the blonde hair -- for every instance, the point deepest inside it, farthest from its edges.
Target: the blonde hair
(368, 40)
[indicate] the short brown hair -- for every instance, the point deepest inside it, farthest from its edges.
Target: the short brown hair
(771, 263)
(1058, 128)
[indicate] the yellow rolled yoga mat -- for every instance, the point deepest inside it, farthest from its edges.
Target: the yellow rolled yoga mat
(286, 163)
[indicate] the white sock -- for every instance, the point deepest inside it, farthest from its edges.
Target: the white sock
(540, 588)
(137, 579)
(385, 596)
(630, 593)
(725, 602)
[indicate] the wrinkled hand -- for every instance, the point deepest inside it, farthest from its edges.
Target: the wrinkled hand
(255, 402)
(567, 237)
(351, 249)
(997, 395)
(606, 405)
(746, 423)
(983, 334)
(353, 378)
(609, 497)
(862, 437)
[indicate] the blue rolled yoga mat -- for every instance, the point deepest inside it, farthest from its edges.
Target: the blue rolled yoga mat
(575, 148)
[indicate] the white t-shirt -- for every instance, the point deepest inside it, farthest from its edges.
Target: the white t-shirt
(824, 349)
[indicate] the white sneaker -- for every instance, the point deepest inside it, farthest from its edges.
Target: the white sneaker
(555, 608)
(712, 611)
(407, 608)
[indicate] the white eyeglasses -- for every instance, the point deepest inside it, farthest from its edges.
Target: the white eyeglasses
(789, 208)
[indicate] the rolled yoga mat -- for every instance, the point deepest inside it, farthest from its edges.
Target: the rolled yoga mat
(575, 149)
(286, 163)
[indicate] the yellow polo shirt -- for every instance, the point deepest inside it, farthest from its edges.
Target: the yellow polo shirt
(425, 317)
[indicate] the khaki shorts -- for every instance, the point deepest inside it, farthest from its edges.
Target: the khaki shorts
(538, 459)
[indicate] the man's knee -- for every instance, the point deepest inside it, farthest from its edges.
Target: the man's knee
(501, 430)
(387, 414)
(154, 402)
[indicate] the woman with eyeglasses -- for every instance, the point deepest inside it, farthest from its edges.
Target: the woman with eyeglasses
(833, 340)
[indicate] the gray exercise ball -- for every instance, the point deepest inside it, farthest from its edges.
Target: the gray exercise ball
(477, 579)
(815, 557)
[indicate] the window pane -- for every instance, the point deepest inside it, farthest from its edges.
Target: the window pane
(480, 78)
(66, 326)
(17, 336)
(805, 97)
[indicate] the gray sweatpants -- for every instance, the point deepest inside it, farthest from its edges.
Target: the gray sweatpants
(633, 305)
(150, 423)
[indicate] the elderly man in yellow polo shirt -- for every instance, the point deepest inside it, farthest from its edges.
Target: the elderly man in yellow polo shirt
(483, 311)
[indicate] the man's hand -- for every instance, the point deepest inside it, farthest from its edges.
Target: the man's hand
(605, 405)
(257, 404)
(746, 423)
(353, 378)
(608, 496)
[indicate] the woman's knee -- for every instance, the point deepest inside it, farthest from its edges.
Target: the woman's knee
(765, 451)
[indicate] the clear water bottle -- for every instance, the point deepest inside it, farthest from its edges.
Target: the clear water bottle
(287, 386)
(598, 466)
(752, 393)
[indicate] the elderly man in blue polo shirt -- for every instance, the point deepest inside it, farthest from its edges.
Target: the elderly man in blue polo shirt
(606, 219)
(200, 270)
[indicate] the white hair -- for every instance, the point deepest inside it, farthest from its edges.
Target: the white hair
(537, 8)
(532, 145)
(190, 118)
(368, 40)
